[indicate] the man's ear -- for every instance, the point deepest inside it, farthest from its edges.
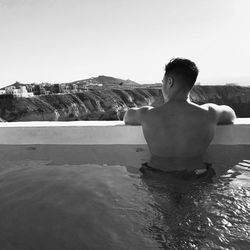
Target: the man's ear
(170, 81)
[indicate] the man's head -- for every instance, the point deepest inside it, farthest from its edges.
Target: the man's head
(180, 76)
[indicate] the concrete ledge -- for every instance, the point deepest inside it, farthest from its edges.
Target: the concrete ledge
(102, 133)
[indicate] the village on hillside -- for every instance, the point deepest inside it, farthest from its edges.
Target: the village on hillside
(29, 90)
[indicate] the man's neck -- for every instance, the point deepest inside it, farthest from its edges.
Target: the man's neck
(179, 97)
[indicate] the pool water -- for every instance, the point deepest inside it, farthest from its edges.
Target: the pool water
(44, 205)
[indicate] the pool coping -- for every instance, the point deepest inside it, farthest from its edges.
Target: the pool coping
(102, 133)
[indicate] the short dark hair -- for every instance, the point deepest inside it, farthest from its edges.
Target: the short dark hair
(183, 68)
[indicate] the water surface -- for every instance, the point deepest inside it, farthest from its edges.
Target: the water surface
(89, 206)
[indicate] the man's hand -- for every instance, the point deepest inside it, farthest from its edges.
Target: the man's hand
(134, 116)
(223, 113)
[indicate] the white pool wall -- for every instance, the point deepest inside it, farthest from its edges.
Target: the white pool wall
(102, 133)
(106, 142)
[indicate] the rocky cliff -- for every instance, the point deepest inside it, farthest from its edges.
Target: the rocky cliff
(109, 103)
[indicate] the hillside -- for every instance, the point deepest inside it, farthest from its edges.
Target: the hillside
(110, 103)
(106, 81)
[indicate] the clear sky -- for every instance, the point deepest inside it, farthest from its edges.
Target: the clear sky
(66, 40)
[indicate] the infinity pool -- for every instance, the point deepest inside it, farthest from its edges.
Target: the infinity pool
(51, 197)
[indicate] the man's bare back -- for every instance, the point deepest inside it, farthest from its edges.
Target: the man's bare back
(178, 135)
(179, 132)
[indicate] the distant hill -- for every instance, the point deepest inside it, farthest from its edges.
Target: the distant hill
(106, 81)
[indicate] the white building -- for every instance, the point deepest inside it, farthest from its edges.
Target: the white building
(2, 92)
(22, 92)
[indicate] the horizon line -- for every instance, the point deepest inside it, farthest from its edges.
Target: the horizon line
(203, 81)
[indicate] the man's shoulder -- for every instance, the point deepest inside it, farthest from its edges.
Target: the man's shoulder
(209, 107)
(223, 114)
(202, 113)
(136, 116)
(146, 112)
(149, 111)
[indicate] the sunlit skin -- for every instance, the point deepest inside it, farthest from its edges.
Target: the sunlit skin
(179, 131)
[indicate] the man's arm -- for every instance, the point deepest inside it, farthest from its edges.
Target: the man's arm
(223, 113)
(134, 116)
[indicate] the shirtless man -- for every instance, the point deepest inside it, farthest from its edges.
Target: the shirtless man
(179, 131)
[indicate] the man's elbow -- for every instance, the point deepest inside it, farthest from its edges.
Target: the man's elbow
(126, 117)
(130, 117)
(228, 115)
(233, 115)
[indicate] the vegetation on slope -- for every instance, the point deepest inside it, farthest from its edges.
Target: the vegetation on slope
(101, 103)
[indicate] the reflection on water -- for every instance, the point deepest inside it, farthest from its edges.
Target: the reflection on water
(182, 222)
(202, 215)
(44, 206)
